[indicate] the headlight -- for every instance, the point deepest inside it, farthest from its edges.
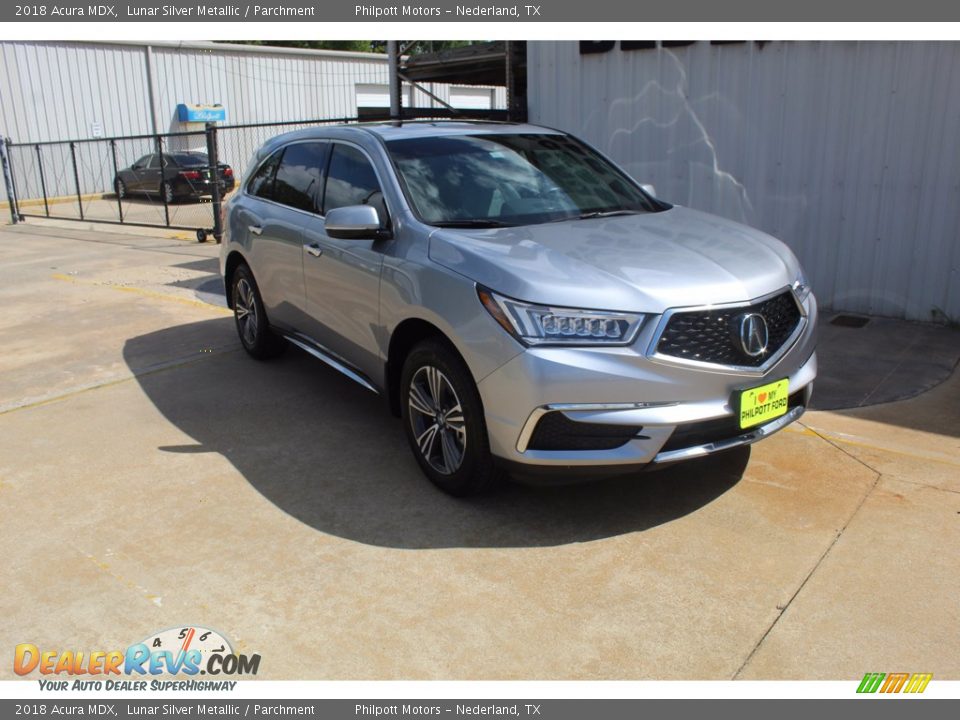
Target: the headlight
(801, 286)
(544, 325)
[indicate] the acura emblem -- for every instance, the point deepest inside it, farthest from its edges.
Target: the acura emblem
(753, 334)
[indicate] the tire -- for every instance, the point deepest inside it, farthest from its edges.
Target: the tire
(121, 188)
(253, 327)
(455, 452)
(166, 192)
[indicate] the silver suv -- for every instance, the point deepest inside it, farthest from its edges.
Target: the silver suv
(518, 300)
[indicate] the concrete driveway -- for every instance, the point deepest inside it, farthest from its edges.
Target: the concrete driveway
(152, 475)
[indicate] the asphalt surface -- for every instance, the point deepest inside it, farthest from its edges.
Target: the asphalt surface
(152, 476)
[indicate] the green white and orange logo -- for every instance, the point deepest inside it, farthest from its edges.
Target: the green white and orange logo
(894, 682)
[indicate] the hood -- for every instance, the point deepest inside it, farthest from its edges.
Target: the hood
(640, 263)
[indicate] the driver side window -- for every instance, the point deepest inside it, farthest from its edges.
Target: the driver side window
(351, 180)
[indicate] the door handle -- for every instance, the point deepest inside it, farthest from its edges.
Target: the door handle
(255, 229)
(314, 249)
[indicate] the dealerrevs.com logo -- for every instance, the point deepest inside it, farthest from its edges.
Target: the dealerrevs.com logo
(184, 651)
(894, 682)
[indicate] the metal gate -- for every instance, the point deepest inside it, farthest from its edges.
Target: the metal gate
(174, 180)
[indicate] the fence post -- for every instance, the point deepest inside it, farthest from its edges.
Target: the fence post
(393, 71)
(76, 176)
(116, 174)
(8, 180)
(213, 156)
(43, 182)
(163, 180)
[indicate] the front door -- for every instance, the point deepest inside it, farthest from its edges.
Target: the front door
(342, 277)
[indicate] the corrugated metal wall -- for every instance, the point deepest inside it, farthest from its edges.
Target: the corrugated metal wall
(847, 151)
(76, 90)
(61, 90)
(54, 91)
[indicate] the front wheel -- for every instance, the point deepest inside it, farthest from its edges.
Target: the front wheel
(444, 422)
(255, 334)
(121, 187)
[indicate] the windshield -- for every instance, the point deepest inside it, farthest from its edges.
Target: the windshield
(523, 179)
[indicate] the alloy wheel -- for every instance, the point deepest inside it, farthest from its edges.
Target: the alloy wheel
(436, 417)
(245, 309)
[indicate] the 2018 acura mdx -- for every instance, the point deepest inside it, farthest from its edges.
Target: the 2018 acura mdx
(519, 301)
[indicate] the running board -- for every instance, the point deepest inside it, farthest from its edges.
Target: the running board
(327, 357)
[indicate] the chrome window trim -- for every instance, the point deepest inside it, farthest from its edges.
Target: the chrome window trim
(328, 141)
(654, 356)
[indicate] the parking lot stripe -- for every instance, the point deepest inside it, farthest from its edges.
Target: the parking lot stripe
(857, 441)
(163, 367)
(144, 293)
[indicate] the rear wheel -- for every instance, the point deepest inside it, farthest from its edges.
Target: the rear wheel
(166, 190)
(255, 334)
(444, 422)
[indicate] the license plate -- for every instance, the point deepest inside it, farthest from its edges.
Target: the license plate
(764, 403)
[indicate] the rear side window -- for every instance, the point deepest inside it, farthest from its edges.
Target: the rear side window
(300, 176)
(351, 180)
(261, 184)
(188, 160)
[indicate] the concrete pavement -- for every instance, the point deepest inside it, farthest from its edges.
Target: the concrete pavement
(151, 475)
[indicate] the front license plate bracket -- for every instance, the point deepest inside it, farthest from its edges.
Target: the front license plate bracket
(763, 403)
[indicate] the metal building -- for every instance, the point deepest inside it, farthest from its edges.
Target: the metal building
(69, 90)
(847, 151)
(131, 93)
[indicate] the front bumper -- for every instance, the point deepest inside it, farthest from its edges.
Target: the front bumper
(625, 386)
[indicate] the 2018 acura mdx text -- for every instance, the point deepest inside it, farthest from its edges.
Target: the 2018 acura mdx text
(520, 302)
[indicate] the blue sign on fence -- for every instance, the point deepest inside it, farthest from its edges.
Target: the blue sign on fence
(201, 113)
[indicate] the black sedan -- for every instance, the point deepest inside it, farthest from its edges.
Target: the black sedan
(173, 176)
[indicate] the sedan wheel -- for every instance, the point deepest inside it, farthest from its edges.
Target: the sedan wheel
(121, 188)
(167, 190)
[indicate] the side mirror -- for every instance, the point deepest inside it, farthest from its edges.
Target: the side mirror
(355, 222)
(649, 189)
(136, 166)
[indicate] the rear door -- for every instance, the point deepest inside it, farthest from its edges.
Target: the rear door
(153, 175)
(281, 197)
(135, 177)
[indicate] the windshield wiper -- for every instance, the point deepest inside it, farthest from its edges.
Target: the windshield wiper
(606, 213)
(475, 223)
(589, 215)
